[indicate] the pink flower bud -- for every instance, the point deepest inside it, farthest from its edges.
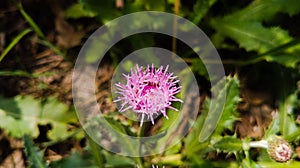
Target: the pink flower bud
(279, 149)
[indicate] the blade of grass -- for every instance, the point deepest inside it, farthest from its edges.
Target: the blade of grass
(53, 47)
(31, 22)
(34, 155)
(14, 42)
(25, 74)
(96, 151)
(16, 73)
(38, 31)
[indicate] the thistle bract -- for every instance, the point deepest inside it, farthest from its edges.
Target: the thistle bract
(148, 91)
(279, 149)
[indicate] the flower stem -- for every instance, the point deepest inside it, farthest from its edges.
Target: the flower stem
(140, 134)
(259, 144)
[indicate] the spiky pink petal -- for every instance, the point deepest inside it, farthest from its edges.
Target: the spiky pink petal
(148, 91)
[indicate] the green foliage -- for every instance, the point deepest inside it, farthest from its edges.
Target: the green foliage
(229, 144)
(198, 67)
(287, 125)
(107, 10)
(266, 9)
(194, 147)
(104, 10)
(246, 28)
(172, 160)
(117, 131)
(229, 115)
(16, 73)
(246, 163)
(77, 11)
(273, 128)
(14, 42)
(251, 33)
(113, 160)
(225, 116)
(75, 160)
(279, 165)
(94, 157)
(22, 115)
(31, 22)
(200, 10)
(35, 156)
(97, 152)
(37, 30)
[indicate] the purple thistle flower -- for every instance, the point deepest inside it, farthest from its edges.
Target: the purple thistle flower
(148, 91)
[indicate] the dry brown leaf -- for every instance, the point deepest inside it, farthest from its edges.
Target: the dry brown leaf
(67, 35)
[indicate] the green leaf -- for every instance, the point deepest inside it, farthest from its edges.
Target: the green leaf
(291, 7)
(10, 107)
(199, 67)
(264, 156)
(194, 148)
(10, 125)
(58, 115)
(258, 10)
(174, 149)
(172, 160)
(200, 9)
(113, 160)
(12, 119)
(77, 11)
(229, 144)
(171, 140)
(267, 9)
(34, 155)
(105, 10)
(98, 45)
(76, 159)
(273, 128)
(117, 133)
(293, 164)
(228, 115)
(246, 28)
(154, 5)
(287, 123)
(247, 163)
(140, 41)
(14, 42)
(96, 150)
(27, 113)
(251, 35)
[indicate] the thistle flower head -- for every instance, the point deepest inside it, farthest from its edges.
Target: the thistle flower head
(279, 149)
(148, 91)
